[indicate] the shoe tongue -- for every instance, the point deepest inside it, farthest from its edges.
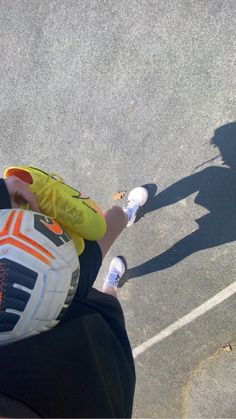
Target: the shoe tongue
(113, 274)
(133, 203)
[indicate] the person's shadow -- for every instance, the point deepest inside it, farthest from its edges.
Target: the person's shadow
(216, 188)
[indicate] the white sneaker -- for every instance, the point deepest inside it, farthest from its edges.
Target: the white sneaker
(116, 270)
(136, 199)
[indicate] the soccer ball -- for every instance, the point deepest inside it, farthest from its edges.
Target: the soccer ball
(39, 274)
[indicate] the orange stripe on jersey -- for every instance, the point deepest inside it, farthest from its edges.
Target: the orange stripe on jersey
(17, 233)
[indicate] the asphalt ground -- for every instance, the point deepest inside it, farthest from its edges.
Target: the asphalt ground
(111, 95)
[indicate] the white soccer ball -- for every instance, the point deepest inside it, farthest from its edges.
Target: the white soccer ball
(39, 273)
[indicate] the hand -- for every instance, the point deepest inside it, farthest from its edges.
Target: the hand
(19, 192)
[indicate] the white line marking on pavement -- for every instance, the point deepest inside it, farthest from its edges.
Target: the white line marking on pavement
(199, 311)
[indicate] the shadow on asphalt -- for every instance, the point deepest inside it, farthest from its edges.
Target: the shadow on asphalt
(216, 192)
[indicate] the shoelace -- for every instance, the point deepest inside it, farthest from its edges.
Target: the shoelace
(126, 205)
(51, 182)
(114, 281)
(131, 203)
(117, 280)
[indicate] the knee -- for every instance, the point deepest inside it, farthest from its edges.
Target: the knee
(118, 213)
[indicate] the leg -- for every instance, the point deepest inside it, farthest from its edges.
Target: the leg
(110, 291)
(116, 220)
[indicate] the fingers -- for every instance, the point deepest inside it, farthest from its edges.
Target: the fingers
(17, 188)
(29, 197)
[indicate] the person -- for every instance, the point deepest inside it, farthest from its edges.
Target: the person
(83, 367)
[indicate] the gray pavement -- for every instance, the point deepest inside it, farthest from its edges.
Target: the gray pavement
(220, 401)
(111, 95)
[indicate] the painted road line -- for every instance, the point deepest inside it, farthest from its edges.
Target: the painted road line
(197, 312)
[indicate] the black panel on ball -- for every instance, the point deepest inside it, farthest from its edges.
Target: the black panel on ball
(11, 297)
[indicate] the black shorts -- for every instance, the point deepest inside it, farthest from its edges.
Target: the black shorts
(89, 298)
(84, 365)
(90, 263)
